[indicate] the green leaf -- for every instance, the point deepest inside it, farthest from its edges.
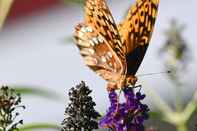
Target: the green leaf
(155, 115)
(4, 9)
(36, 91)
(33, 126)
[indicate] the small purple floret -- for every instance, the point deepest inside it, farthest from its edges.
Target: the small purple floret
(127, 116)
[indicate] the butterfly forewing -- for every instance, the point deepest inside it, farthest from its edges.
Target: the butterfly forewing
(99, 41)
(98, 15)
(136, 30)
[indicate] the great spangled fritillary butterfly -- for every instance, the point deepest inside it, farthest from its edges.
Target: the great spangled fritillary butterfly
(115, 52)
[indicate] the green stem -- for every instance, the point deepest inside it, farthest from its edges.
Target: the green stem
(191, 107)
(33, 126)
(158, 101)
(182, 127)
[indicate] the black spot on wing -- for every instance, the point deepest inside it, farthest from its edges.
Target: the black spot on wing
(134, 59)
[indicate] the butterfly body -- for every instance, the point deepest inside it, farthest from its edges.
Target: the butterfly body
(115, 52)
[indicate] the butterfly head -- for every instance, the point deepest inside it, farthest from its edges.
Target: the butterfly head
(124, 81)
(130, 80)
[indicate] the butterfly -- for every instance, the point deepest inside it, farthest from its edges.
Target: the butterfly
(115, 52)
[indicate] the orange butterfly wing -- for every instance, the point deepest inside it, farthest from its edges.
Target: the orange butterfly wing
(99, 41)
(136, 31)
(98, 15)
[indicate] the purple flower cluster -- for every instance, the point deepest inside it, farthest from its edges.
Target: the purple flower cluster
(127, 116)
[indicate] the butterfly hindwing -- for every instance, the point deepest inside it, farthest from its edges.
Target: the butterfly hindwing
(136, 31)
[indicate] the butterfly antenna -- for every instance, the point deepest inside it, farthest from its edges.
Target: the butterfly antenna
(166, 72)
